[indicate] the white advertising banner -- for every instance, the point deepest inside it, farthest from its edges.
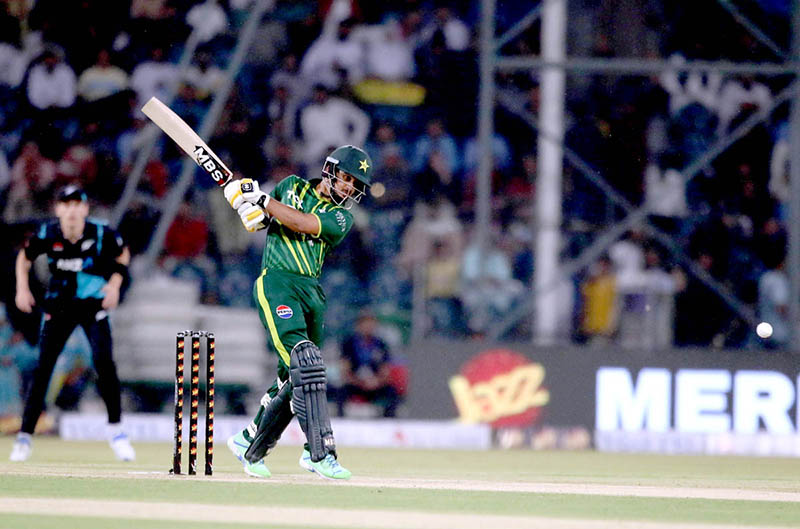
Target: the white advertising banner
(143, 427)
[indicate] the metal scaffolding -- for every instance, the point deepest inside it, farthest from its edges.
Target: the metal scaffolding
(546, 283)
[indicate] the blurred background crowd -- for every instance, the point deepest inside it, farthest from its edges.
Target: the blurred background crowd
(401, 77)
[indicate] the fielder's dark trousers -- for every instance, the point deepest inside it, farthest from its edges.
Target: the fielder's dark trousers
(55, 332)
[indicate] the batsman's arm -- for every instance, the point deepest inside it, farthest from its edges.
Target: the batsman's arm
(247, 193)
(294, 219)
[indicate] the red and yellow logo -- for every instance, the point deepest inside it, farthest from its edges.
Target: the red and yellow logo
(500, 387)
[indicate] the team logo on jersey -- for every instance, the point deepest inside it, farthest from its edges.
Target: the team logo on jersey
(340, 220)
(85, 245)
(284, 312)
(58, 247)
(296, 201)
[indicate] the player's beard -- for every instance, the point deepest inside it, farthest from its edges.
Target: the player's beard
(329, 192)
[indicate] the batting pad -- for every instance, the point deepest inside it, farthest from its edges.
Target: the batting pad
(276, 417)
(309, 399)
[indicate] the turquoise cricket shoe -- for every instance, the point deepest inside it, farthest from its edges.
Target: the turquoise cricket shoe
(239, 445)
(327, 468)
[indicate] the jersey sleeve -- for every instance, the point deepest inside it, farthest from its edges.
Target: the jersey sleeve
(334, 225)
(284, 185)
(37, 244)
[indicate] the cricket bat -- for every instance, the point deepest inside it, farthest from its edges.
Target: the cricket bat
(188, 140)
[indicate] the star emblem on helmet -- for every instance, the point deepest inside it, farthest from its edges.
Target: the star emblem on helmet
(363, 165)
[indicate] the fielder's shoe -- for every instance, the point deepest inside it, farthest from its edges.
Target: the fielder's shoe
(239, 445)
(22, 449)
(122, 447)
(327, 468)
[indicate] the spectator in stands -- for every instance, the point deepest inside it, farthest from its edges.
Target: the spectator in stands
(627, 256)
(388, 54)
(501, 153)
(501, 163)
(32, 179)
(431, 220)
(138, 224)
(701, 317)
(393, 174)
(665, 191)
(443, 289)
(154, 77)
(456, 33)
(78, 165)
(436, 179)
(435, 139)
(488, 288)
(600, 311)
(773, 304)
(330, 120)
(279, 112)
(685, 89)
(770, 243)
(208, 20)
(749, 200)
(647, 303)
(154, 23)
(740, 97)
(366, 368)
(51, 91)
(205, 76)
(131, 141)
(101, 80)
(237, 140)
(384, 138)
(185, 250)
(336, 58)
(282, 163)
(520, 238)
(51, 82)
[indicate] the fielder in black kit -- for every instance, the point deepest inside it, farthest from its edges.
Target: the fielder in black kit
(88, 263)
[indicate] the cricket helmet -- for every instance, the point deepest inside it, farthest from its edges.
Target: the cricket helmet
(353, 161)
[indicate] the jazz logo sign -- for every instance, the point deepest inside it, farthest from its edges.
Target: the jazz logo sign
(500, 387)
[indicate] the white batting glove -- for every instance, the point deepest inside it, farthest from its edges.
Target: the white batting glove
(252, 217)
(251, 193)
(233, 193)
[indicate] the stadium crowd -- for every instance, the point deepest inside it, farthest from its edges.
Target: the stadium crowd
(401, 77)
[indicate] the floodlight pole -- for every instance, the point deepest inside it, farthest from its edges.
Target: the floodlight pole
(547, 217)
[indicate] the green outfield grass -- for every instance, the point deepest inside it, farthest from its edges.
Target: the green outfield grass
(383, 482)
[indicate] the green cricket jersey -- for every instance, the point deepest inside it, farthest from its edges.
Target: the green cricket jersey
(301, 253)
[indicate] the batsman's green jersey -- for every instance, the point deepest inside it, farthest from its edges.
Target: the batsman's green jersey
(290, 301)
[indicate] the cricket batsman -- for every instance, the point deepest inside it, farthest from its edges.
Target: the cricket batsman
(304, 221)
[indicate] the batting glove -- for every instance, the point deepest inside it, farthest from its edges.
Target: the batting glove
(252, 193)
(252, 217)
(233, 193)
